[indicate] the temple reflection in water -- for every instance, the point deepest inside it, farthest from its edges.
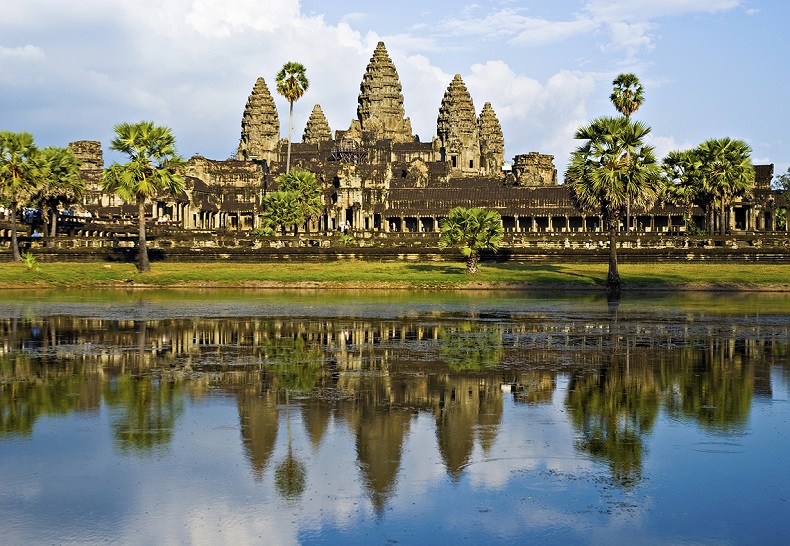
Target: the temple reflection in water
(376, 376)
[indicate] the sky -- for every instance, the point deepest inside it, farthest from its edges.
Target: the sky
(73, 69)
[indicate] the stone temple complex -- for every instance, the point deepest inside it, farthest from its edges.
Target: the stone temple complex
(381, 178)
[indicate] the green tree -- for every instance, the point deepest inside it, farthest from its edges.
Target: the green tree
(306, 191)
(781, 182)
(726, 171)
(21, 170)
(683, 187)
(613, 167)
(154, 167)
(292, 84)
(628, 94)
(61, 185)
(297, 200)
(472, 230)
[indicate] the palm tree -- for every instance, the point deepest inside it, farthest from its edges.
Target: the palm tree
(297, 200)
(613, 167)
(291, 84)
(306, 191)
(473, 230)
(683, 182)
(154, 166)
(21, 169)
(628, 94)
(726, 171)
(781, 182)
(63, 184)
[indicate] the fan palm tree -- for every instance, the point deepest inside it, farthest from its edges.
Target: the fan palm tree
(21, 169)
(291, 84)
(63, 184)
(306, 191)
(726, 171)
(683, 181)
(154, 166)
(297, 200)
(613, 167)
(472, 230)
(628, 94)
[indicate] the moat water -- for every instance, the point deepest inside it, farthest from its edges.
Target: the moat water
(314, 417)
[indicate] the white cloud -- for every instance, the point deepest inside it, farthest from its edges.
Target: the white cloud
(221, 19)
(542, 32)
(26, 53)
(641, 11)
(534, 116)
(630, 37)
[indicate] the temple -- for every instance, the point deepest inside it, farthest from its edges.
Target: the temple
(382, 179)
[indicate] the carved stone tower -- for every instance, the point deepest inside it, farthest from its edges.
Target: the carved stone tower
(317, 128)
(91, 169)
(260, 126)
(380, 105)
(492, 143)
(457, 130)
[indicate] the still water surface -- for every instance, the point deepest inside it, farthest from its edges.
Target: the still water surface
(271, 417)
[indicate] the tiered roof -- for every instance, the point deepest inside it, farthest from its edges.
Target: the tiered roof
(260, 125)
(492, 142)
(380, 103)
(317, 128)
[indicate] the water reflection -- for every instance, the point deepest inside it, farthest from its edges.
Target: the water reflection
(375, 375)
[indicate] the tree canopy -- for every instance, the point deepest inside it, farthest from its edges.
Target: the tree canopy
(710, 176)
(154, 167)
(612, 168)
(472, 230)
(62, 184)
(297, 200)
(21, 170)
(628, 94)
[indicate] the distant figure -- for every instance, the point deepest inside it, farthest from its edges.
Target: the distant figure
(348, 227)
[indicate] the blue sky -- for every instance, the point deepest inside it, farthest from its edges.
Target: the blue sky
(70, 70)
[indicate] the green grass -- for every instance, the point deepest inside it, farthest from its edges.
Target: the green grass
(396, 275)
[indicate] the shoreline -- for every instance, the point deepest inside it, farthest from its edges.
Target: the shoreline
(410, 276)
(402, 286)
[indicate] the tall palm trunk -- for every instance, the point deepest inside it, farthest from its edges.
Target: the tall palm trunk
(290, 136)
(50, 217)
(471, 263)
(142, 249)
(613, 281)
(53, 211)
(722, 220)
(14, 239)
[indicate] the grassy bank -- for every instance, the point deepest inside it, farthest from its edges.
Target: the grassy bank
(351, 274)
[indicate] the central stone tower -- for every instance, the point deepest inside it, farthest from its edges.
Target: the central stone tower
(380, 109)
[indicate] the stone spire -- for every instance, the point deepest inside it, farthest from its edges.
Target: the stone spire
(457, 130)
(317, 128)
(380, 104)
(260, 126)
(492, 143)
